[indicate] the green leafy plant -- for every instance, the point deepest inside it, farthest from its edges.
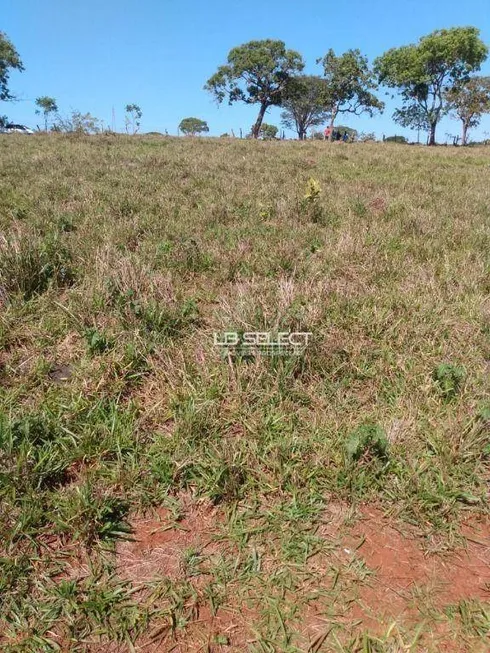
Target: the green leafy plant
(368, 441)
(313, 191)
(448, 378)
(310, 201)
(97, 342)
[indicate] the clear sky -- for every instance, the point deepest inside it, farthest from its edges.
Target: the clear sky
(93, 55)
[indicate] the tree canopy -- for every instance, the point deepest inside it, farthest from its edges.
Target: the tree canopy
(468, 101)
(256, 72)
(9, 59)
(193, 126)
(412, 116)
(350, 83)
(133, 118)
(396, 139)
(268, 132)
(304, 104)
(46, 105)
(352, 133)
(425, 70)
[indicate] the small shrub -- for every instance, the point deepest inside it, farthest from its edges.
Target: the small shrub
(367, 442)
(310, 202)
(65, 223)
(448, 378)
(313, 191)
(359, 208)
(97, 342)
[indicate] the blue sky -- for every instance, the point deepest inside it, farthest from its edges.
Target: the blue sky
(93, 55)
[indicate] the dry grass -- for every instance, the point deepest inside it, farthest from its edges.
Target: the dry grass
(119, 259)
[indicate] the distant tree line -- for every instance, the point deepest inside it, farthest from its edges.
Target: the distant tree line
(435, 76)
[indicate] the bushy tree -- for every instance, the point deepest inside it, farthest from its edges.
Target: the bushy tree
(468, 101)
(350, 83)
(352, 133)
(256, 73)
(423, 71)
(304, 101)
(317, 135)
(193, 126)
(132, 118)
(46, 105)
(268, 132)
(396, 139)
(9, 60)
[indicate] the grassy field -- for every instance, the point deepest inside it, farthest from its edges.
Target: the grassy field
(156, 496)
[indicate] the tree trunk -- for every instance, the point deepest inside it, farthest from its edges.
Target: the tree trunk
(260, 118)
(302, 134)
(464, 135)
(432, 133)
(332, 120)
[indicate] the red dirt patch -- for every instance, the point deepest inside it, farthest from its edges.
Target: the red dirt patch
(159, 549)
(406, 580)
(389, 577)
(160, 543)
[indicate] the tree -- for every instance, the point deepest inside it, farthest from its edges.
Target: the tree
(352, 133)
(256, 73)
(46, 105)
(317, 135)
(367, 137)
(9, 59)
(304, 104)
(414, 117)
(423, 71)
(396, 139)
(193, 126)
(468, 101)
(350, 83)
(133, 117)
(268, 132)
